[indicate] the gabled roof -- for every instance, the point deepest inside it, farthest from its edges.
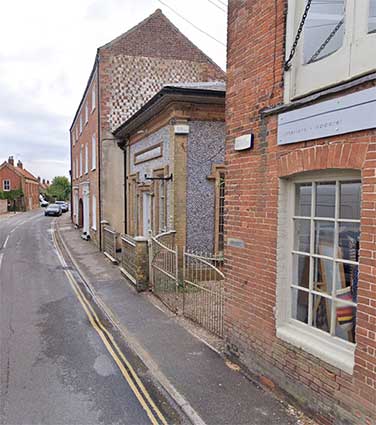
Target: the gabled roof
(20, 171)
(146, 39)
(199, 92)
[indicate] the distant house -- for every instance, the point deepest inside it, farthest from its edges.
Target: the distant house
(174, 155)
(17, 178)
(127, 73)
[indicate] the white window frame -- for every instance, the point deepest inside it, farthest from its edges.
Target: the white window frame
(86, 112)
(86, 158)
(76, 132)
(94, 212)
(80, 123)
(93, 153)
(81, 160)
(353, 59)
(6, 185)
(93, 97)
(331, 349)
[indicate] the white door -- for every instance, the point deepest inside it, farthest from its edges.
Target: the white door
(146, 211)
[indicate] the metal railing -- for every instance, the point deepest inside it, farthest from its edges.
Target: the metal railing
(164, 271)
(110, 242)
(203, 300)
(128, 257)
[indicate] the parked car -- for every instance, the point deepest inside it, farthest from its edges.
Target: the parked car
(43, 203)
(64, 205)
(54, 210)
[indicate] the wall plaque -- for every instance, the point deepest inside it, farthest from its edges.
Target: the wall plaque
(148, 154)
(345, 114)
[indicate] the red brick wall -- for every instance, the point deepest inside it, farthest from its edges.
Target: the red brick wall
(255, 81)
(88, 130)
(8, 174)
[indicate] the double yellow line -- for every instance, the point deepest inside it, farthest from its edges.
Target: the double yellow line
(134, 382)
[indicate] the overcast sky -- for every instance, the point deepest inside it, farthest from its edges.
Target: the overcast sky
(47, 52)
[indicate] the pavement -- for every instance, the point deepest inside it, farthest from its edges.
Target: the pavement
(208, 389)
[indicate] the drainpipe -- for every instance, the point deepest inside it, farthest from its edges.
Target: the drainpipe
(99, 158)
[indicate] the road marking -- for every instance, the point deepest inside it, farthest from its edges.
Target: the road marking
(6, 241)
(124, 365)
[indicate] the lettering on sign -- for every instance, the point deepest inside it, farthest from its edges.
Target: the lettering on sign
(346, 114)
(148, 154)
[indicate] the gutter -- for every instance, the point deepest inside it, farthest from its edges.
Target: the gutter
(99, 157)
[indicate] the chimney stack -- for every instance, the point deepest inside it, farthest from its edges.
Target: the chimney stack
(11, 160)
(38, 179)
(19, 164)
(44, 181)
(48, 182)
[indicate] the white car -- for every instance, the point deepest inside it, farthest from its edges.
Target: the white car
(43, 203)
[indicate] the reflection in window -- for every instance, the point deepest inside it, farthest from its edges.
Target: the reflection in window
(324, 29)
(372, 16)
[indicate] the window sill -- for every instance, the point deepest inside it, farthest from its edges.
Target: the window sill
(331, 350)
(93, 169)
(93, 228)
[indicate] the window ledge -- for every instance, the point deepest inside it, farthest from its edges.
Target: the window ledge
(332, 350)
(93, 169)
(93, 228)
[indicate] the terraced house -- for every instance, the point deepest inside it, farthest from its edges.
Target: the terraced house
(127, 72)
(300, 227)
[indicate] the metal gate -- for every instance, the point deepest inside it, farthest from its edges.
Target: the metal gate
(164, 272)
(203, 300)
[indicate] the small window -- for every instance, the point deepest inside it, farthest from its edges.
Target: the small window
(93, 98)
(81, 161)
(94, 213)
(6, 185)
(86, 112)
(76, 132)
(86, 158)
(221, 212)
(93, 153)
(80, 124)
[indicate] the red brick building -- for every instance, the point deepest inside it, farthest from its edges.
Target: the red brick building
(300, 225)
(127, 72)
(18, 178)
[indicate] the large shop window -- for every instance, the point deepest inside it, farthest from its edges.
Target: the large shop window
(338, 43)
(324, 259)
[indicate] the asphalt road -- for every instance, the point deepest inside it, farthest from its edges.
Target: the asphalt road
(54, 367)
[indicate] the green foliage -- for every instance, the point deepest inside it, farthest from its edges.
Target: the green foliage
(59, 189)
(11, 195)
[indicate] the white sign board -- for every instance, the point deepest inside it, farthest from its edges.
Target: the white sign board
(345, 114)
(243, 142)
(181, 129)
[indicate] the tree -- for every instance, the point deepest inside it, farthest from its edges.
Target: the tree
(59, 189)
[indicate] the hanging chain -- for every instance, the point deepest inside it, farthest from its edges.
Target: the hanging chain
(326, 42)
(298, 35)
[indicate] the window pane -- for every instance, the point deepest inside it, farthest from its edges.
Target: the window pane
(300, 275)
(372, 16)
(324, 29)
(323, 275)
(299, 307)
(325, 200)
(321, 312)
(347, 281)
(302, 235)
(303, 199)
(345, 321)
(324, 238)
(350, 200)
(348, 241)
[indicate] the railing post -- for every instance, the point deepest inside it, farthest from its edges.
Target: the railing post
(142, 263)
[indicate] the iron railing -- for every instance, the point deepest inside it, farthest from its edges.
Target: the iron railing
(164, 271)
(128, 257)
(203, 300)
(110, 242)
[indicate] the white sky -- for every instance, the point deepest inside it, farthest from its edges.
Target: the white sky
(47, 52)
